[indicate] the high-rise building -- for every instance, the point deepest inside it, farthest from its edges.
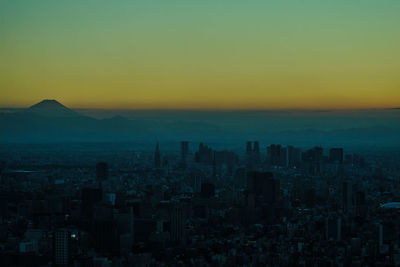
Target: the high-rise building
(157, 157)
(252, 155)
(248, 148)
(184, 150)
(336, 155)
(61, 247)
(256, 147)
(274, 154)
(90, 197)
(283, 157)
(178, 223)
(256, 152)
(197, 182)
(204, 155)
(312, 160)
(380, 235)
(231, 160)
(313, 155)
(293, 156)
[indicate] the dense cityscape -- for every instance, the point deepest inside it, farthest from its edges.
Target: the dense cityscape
(194, 205)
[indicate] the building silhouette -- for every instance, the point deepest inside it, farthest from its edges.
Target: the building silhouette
(336, 155)
(62, 247)
(157, 157)
(178, 224)
(184, 151)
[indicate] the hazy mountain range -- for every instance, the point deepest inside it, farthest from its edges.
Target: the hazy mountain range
(50, 121)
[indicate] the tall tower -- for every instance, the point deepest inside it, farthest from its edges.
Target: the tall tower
(249, 156)
(336, 155)
(157, 157)
(178, 224)
(256, 152)
(61, 247)
(274, 154)
(184, 150)
(248, 148)
(256, 147)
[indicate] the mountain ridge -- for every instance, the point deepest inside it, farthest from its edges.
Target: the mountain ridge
(50, 121)
(51, 108)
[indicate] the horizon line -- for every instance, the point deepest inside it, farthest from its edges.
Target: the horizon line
(237, 109)
(206, 109)
(220, 109)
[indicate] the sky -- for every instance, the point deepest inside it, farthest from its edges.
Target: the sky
(209, 54)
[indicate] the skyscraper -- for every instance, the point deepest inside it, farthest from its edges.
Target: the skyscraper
(248, 148)
(256, 152)
(157, 157)
(184, 150)
(293, 156)
(283, 157)
(336, 155)
(61, 247)
(178, 223)
(274, 154)
(252, 155)
(205, 154)
(90, 197)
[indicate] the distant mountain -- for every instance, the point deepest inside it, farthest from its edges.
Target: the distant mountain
(50, 121)
(51, 108)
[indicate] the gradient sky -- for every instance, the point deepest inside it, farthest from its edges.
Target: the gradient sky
(209, 54)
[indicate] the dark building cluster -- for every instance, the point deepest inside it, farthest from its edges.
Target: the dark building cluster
(193, 205)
